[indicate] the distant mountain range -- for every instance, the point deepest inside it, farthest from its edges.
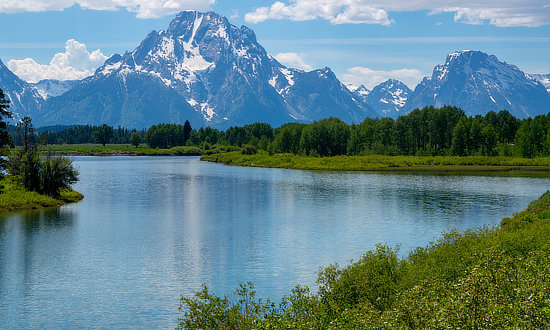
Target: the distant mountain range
(207, 71)
(478, 83)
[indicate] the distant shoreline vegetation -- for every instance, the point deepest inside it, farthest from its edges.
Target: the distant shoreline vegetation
(440, 164)
(428, 137)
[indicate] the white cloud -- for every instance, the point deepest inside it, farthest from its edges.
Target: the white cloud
(142, 8)
(370, 78)
(293, 60)
(502, 13)
(75, 63)
(337, 12)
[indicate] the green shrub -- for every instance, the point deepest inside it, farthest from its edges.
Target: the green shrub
(249, 150)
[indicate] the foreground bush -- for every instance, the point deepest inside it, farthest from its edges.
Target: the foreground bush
(47, 175)
(498, 278)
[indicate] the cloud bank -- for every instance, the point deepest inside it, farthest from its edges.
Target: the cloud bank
(357, 76)
(75, 63)
(502, 13)
(293, 60)
(142, 8)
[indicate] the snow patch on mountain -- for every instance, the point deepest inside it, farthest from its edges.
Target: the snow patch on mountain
(544, 79)
(50, 88)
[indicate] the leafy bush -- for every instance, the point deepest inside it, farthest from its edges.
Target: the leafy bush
(56, 173)
(46, 176)
(249, 150)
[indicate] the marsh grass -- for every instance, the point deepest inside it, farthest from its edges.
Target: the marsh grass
(129, 150)
(14, 197)
(384, 163)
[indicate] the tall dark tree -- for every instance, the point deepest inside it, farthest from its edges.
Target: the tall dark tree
(103, 134)
(186, 131)
(4, 136)
(26, 133)
(4, 113)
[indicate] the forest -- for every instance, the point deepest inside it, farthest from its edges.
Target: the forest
(423, 132)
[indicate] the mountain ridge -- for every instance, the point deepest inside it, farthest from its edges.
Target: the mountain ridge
(210, 72)
(216, 74)
(478, 83)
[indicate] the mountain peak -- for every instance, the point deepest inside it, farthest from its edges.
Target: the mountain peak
(389, 98)
(478, 82)
(210, 71)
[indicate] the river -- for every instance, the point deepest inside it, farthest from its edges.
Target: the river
(152, 228)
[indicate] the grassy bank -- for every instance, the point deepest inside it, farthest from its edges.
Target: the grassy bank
(15, 197)
(128, 150)
(383, 163)
(482, 278)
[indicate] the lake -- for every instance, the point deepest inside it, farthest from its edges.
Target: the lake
(152, 228)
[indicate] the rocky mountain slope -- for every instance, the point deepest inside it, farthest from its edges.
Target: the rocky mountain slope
(24, 99)
(388, 99)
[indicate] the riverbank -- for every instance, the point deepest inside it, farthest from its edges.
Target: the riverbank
(384, 163)
(128, 150)
(482, 278)
(15, 198)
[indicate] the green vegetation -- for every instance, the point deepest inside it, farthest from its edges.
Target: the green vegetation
(33, 181)
(382, 163)
(482, 278)
(430, 131)
(4, 136)
(129, 150)
(15, 197)
(103, 134)
(45, 175)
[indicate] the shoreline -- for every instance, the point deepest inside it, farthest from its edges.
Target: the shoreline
(15, 198)
(397, 164)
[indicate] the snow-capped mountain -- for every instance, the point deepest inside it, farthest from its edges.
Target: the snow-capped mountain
(207, 71)
(50, 87)
(360, 91)
(24, 99)
(544, 79)
(389, 98)
(478, 83)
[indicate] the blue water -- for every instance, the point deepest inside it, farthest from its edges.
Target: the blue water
(152, 228)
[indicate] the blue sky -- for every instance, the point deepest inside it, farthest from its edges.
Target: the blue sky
(363, 41)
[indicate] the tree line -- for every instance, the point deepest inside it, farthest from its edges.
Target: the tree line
(428, 131)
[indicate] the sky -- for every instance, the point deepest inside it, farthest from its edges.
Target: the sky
(362, 41)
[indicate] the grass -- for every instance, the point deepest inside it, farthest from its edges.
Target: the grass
(15, 198)
(129, 150)
(384, 163)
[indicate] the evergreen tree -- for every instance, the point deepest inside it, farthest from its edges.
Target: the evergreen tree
(186, 131)
(4, 113)
(4, 136)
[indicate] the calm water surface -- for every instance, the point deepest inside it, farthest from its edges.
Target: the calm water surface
(152, 228)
